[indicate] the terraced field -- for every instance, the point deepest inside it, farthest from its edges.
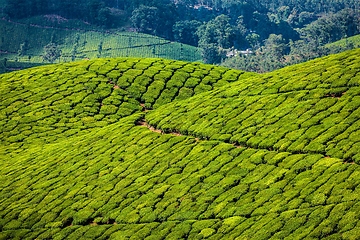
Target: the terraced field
(159, 149)
(353, 41)
(78, 41)
(43, 104)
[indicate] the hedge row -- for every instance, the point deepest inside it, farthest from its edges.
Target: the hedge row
(315, 109)
(153, 185)
(47, 103)
(254, 159)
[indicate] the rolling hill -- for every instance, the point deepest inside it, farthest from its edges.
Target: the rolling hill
(78, 40)
(133, 148)
(353, 41)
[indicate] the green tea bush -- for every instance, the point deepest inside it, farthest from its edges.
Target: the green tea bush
(114, 153)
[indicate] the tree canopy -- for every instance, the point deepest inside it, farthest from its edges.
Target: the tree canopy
(216, 26)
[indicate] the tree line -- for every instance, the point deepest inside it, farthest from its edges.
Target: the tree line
(219, 27)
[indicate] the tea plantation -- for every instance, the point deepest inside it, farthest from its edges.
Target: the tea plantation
(353, 41)
(134, 148)
(76, 40)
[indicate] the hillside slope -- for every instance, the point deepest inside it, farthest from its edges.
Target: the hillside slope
(144, 163)
(46, 103)
(78, 40)
(353, 42)
(306, 108)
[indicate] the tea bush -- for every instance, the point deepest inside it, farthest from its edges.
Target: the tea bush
(126, 148)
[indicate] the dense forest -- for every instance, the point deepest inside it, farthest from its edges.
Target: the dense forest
(276, 33)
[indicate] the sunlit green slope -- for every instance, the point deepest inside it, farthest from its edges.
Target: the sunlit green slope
(47, 103)
(185, 169)
(306, 108)
(353, 42)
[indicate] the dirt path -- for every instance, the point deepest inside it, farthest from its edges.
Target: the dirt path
(143, 123)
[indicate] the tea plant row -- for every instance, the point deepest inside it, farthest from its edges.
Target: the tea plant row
(27, 41)
(255, 156)
(45, 103)
(312, 107)
(124, 180)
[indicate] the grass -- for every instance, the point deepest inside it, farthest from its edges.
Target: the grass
(107, 149)
(343, 43)
(77, 41)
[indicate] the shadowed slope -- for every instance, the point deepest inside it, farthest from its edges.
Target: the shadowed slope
(78, 41)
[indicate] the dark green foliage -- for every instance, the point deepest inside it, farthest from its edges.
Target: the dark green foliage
(32, 43)
(51, 53)
(279, 33)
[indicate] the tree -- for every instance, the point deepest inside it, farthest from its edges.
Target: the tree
(276, 46)
(211, 53)
(240, 32)
(3, 65)
(18, 8)
(97, 13)
(253, 39)
(104, 17)
(185, 32)
(51, 52)
(157, 19)
(225, 33)
(145, 19)
(235, 8)
(304, 50)
(333, 27)
(100, 48)
(215, 36)
(261, 24)
(273, 53)
(22, 49)
(305, 18)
